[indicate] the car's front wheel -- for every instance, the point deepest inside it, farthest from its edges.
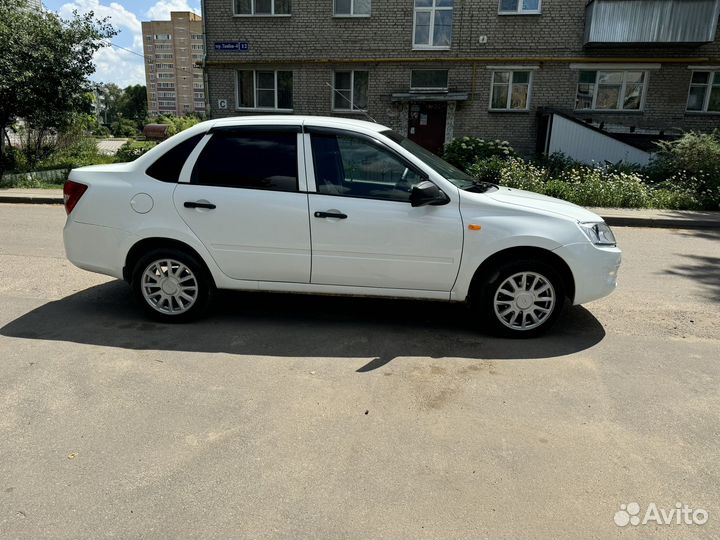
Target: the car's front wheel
(171, 285)
(522, 299)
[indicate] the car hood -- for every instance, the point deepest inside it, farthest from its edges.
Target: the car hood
(535, 201)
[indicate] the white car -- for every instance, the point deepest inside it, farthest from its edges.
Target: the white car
(330, 206)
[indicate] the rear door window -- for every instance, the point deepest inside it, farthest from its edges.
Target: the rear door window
(167, 168)
(249, 159)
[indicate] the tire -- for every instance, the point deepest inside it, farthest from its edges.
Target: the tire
(511, 307)
(176, 296)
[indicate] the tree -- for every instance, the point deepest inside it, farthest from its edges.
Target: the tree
(133, 104)
(44, 67)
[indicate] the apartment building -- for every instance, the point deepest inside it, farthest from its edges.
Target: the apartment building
(174, 50)
(501, 69)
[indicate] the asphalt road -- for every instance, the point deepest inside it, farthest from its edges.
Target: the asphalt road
(291, 416)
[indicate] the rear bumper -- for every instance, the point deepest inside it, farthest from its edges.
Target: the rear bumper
(95, 248)
(594, 269)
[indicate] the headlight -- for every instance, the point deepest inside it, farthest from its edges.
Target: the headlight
(598, 233)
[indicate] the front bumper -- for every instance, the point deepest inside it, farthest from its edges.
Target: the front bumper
(594, 269)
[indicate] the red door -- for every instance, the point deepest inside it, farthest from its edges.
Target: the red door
(426, 125)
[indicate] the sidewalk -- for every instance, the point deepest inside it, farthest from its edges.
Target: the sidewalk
(618, 217)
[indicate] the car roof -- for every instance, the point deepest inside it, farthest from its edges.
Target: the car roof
(298, 120)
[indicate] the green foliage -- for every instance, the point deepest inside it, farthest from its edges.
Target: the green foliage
(690, 163)
(132, 150)
(589, 186)
(44, 66)
(487, 170)
(123, 127)
(177, 123)
(81, 153)
(466, 151)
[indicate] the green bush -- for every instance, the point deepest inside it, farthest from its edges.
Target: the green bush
(133, 149)
(690, 164)
(589, 186)
(487, 170)
(466, 151)
(80, 153)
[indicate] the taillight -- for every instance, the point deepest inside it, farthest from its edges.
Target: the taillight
(72, 191)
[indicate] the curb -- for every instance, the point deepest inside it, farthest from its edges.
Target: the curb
(660, 223)
(613, 221)
(24, 199)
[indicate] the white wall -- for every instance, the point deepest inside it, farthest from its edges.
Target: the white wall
(587, 145)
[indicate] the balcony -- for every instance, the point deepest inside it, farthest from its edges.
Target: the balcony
(651, 21)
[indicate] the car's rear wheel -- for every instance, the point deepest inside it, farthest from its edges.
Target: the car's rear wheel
(171, 285)
(521, 299)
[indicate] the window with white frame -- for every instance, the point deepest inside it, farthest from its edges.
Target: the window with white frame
(611, 90)
(165, 75)
(352, 8)
(429, 80)
(704, 93)
(433, 24)
(512, 7)
(351, 91)
(264, 89)
(262, 7)
(510, 90)
(165, 66)
(163, 37)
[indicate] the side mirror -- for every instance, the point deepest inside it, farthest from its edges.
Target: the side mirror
(427, 194)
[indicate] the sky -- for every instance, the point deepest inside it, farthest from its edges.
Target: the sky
(113, 64)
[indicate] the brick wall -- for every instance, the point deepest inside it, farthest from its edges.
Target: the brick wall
(312, 43)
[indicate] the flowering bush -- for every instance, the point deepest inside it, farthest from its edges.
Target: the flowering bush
(590, 186)
(466, 151)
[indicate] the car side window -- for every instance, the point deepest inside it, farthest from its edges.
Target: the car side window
(252, 159)
(168, 166)
(356, 167)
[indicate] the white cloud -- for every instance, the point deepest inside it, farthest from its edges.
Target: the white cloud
(120, 17)
(112, 64)
(162, 8)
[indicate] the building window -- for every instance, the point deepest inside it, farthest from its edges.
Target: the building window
(165, 75)
(197, 47)
(163, 37)
(196, 36)
(165, 66)
(433, 24)
(611, 90)
(429, 80)
(704, 93)
(510, 90)
(352, 8)
(164, 56)
(262, 7)
(351, 91)
(513, 7)
(264, 89)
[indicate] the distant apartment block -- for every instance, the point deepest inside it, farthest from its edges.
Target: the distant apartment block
(173, 50)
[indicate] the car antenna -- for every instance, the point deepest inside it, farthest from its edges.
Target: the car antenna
(351, 105)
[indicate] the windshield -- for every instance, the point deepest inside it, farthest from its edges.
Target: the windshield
(440, 166)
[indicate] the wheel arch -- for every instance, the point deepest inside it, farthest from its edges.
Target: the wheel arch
(147, 244)
(484, 272)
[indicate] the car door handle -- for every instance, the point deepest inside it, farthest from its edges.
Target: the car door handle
(335, 215)
(207, 206)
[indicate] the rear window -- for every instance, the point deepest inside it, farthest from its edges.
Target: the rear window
(167, 168)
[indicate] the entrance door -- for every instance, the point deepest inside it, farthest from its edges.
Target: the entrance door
(426, 125)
